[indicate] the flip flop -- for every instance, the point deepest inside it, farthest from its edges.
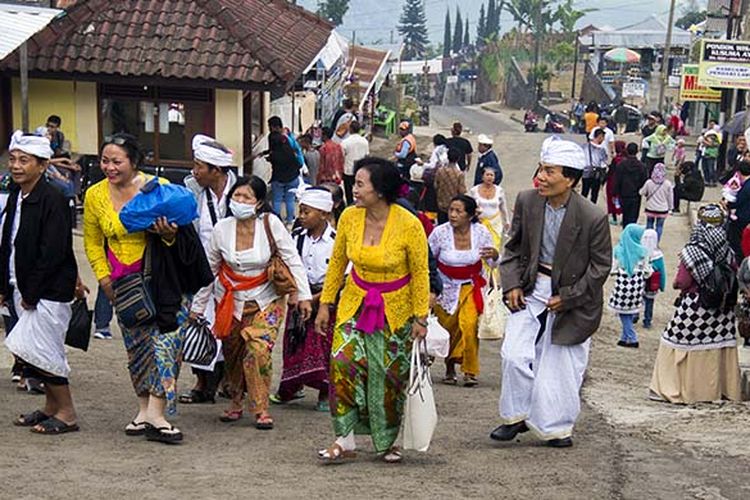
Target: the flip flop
(231, 416)
(54, 426)
(450, 380)
(196, 397)
(263, 423)
(166, 435)
(336, 455)
(393, 456)
(135, 428)
(470, 381)
(31, 419)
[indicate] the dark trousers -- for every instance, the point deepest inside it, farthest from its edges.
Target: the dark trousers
(631, 208)
(348, 185)
(210, 380)
(591, 185)
(734, 237)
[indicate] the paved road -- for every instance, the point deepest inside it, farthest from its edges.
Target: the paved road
(476, 120)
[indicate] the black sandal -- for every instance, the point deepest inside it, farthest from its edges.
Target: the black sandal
(54, 426)
(135, 428)
(196, 397)
(163, 434)
(31, 419)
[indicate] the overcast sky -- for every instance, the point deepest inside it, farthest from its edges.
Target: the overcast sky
(373, 20)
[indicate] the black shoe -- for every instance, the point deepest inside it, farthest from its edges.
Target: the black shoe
(632, 345)
(622, 343)
(559, 443)
(508, 432)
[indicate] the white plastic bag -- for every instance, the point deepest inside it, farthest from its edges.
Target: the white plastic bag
(438, 340)
(420, 415)
(492, 320)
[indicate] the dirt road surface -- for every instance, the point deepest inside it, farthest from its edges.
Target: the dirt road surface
(625, 445)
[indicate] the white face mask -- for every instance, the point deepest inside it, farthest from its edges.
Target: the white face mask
(241, 211)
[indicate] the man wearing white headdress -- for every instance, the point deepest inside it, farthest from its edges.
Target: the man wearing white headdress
(552, 280)
(307, 353)
(210, 182)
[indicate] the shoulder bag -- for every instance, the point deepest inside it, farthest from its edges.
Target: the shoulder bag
(420, 414)
(133, 303)
(492, 321)
(278, 272)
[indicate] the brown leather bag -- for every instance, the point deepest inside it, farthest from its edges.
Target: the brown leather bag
(278, 272)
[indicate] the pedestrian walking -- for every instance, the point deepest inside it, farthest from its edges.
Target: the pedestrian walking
(38, 274)
(312, 157)
(487, 159)
(331, 168)
(631, 269)
(614, 207)
(285, 169)
(711, 141)
(657, 146)
(553, 270)
(306, 353)
(405, 153)
(449, 182)
(658, 191)
(647, 131)
(462, 144)
(697, 356)
(596, 161)
(355, 147)
(250, 312)
(602, 123)
(493, 207)
(739, 210)
(382, 307)
(621, 118)
(657, 282)
(630, 178)
(117, 257)
(462, 246)
(688, 184)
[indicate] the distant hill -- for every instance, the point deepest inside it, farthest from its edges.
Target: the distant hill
(373, 20)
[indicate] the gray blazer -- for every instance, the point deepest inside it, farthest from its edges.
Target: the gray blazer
(583, 259)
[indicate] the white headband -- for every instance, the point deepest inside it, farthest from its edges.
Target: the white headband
(205, 151)
(317, 198)
(30, 144)
(556, 151)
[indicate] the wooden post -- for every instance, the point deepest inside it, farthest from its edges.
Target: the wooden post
(24, 69)
(665, 58)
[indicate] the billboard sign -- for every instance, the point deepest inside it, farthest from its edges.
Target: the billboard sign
(691, 90)
(724, 64)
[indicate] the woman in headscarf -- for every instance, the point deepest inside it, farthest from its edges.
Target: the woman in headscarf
(657, 144)
(613, 205)
(659, 198)
(631, 267)
(697, 358)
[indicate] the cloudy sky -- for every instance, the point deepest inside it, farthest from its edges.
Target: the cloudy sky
(373, 20)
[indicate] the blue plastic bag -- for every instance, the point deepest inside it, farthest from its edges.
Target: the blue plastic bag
(155, 200)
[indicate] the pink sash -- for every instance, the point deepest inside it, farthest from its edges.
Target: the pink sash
(372, 317)
(120, 270)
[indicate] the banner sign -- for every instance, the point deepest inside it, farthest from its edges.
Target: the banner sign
(691, 90)
(724, 64)
(633, 89)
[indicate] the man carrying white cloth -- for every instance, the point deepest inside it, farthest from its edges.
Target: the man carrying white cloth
(553, 270)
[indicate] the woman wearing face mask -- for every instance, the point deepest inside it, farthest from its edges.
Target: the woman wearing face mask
(249, 312)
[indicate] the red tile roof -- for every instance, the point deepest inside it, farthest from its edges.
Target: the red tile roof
(236, 42)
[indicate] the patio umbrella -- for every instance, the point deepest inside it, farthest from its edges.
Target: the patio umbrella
(622, 55)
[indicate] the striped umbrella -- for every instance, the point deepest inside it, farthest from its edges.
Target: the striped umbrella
(622, 55)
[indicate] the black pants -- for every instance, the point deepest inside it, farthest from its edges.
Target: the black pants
(631, 209)
(210, 379)
(591, 185)
(734, 236)
(348, 185)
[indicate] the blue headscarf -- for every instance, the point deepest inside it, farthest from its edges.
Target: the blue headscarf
(629, 251)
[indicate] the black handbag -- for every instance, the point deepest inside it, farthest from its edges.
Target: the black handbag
(133, 303)
(79, 328)
(199, 346)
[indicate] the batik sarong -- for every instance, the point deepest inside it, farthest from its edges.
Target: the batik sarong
(369, 378)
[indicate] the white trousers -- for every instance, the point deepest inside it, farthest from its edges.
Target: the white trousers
(541, 381)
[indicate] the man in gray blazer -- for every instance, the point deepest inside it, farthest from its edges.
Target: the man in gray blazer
(553, 271)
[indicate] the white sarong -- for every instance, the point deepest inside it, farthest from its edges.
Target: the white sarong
(541, 381)
(39, 335)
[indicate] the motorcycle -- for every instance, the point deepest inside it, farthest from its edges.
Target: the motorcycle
(530, 122)
(553, 124)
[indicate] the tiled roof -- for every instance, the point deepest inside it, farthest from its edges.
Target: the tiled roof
(241, 42)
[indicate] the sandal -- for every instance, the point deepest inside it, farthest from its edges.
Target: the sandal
(278, 400)
(393, 456)
(54, 426)
(31, 419)
(336, 454)
(135, 428)
(196, 397)
(166, 435)
(231, 416)
(470, 381)
(263, 423)
(450, 380)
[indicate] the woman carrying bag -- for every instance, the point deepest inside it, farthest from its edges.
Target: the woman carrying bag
(461, 246)
(251, 307)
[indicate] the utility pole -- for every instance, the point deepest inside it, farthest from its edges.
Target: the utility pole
(665, 57)
(24, 70)
(575, 67)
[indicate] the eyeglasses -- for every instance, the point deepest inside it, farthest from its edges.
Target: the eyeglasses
(118, 141)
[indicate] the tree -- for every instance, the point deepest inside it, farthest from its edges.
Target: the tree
(481, 25)
(413, 27)
(447, 34)
(467, 36)
(333, 10)
(691, 17)
(458, 32)
(489, 27)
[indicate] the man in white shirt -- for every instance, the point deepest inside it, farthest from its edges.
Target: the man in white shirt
(609, 136)
(355, 148)
(210, 183)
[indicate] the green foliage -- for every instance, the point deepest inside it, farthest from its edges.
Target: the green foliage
(467, 36)
(690, 18)
(458, 33)
(481, 26)
(447, 35)
(333, 10)
(413, 27)
(560, 54)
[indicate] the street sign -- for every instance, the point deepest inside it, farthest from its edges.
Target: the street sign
(633, 89)
(724, 64)
(691, 90)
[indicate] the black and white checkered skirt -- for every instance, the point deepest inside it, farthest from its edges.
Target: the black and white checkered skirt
(694, 327)
(627, 295)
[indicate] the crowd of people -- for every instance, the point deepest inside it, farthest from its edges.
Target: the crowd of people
(343, 256)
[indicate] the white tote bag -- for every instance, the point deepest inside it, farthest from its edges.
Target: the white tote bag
(492, 320)
(438, 340)
(420, 415)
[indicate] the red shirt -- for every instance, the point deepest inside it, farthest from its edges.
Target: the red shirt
(331, 167)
